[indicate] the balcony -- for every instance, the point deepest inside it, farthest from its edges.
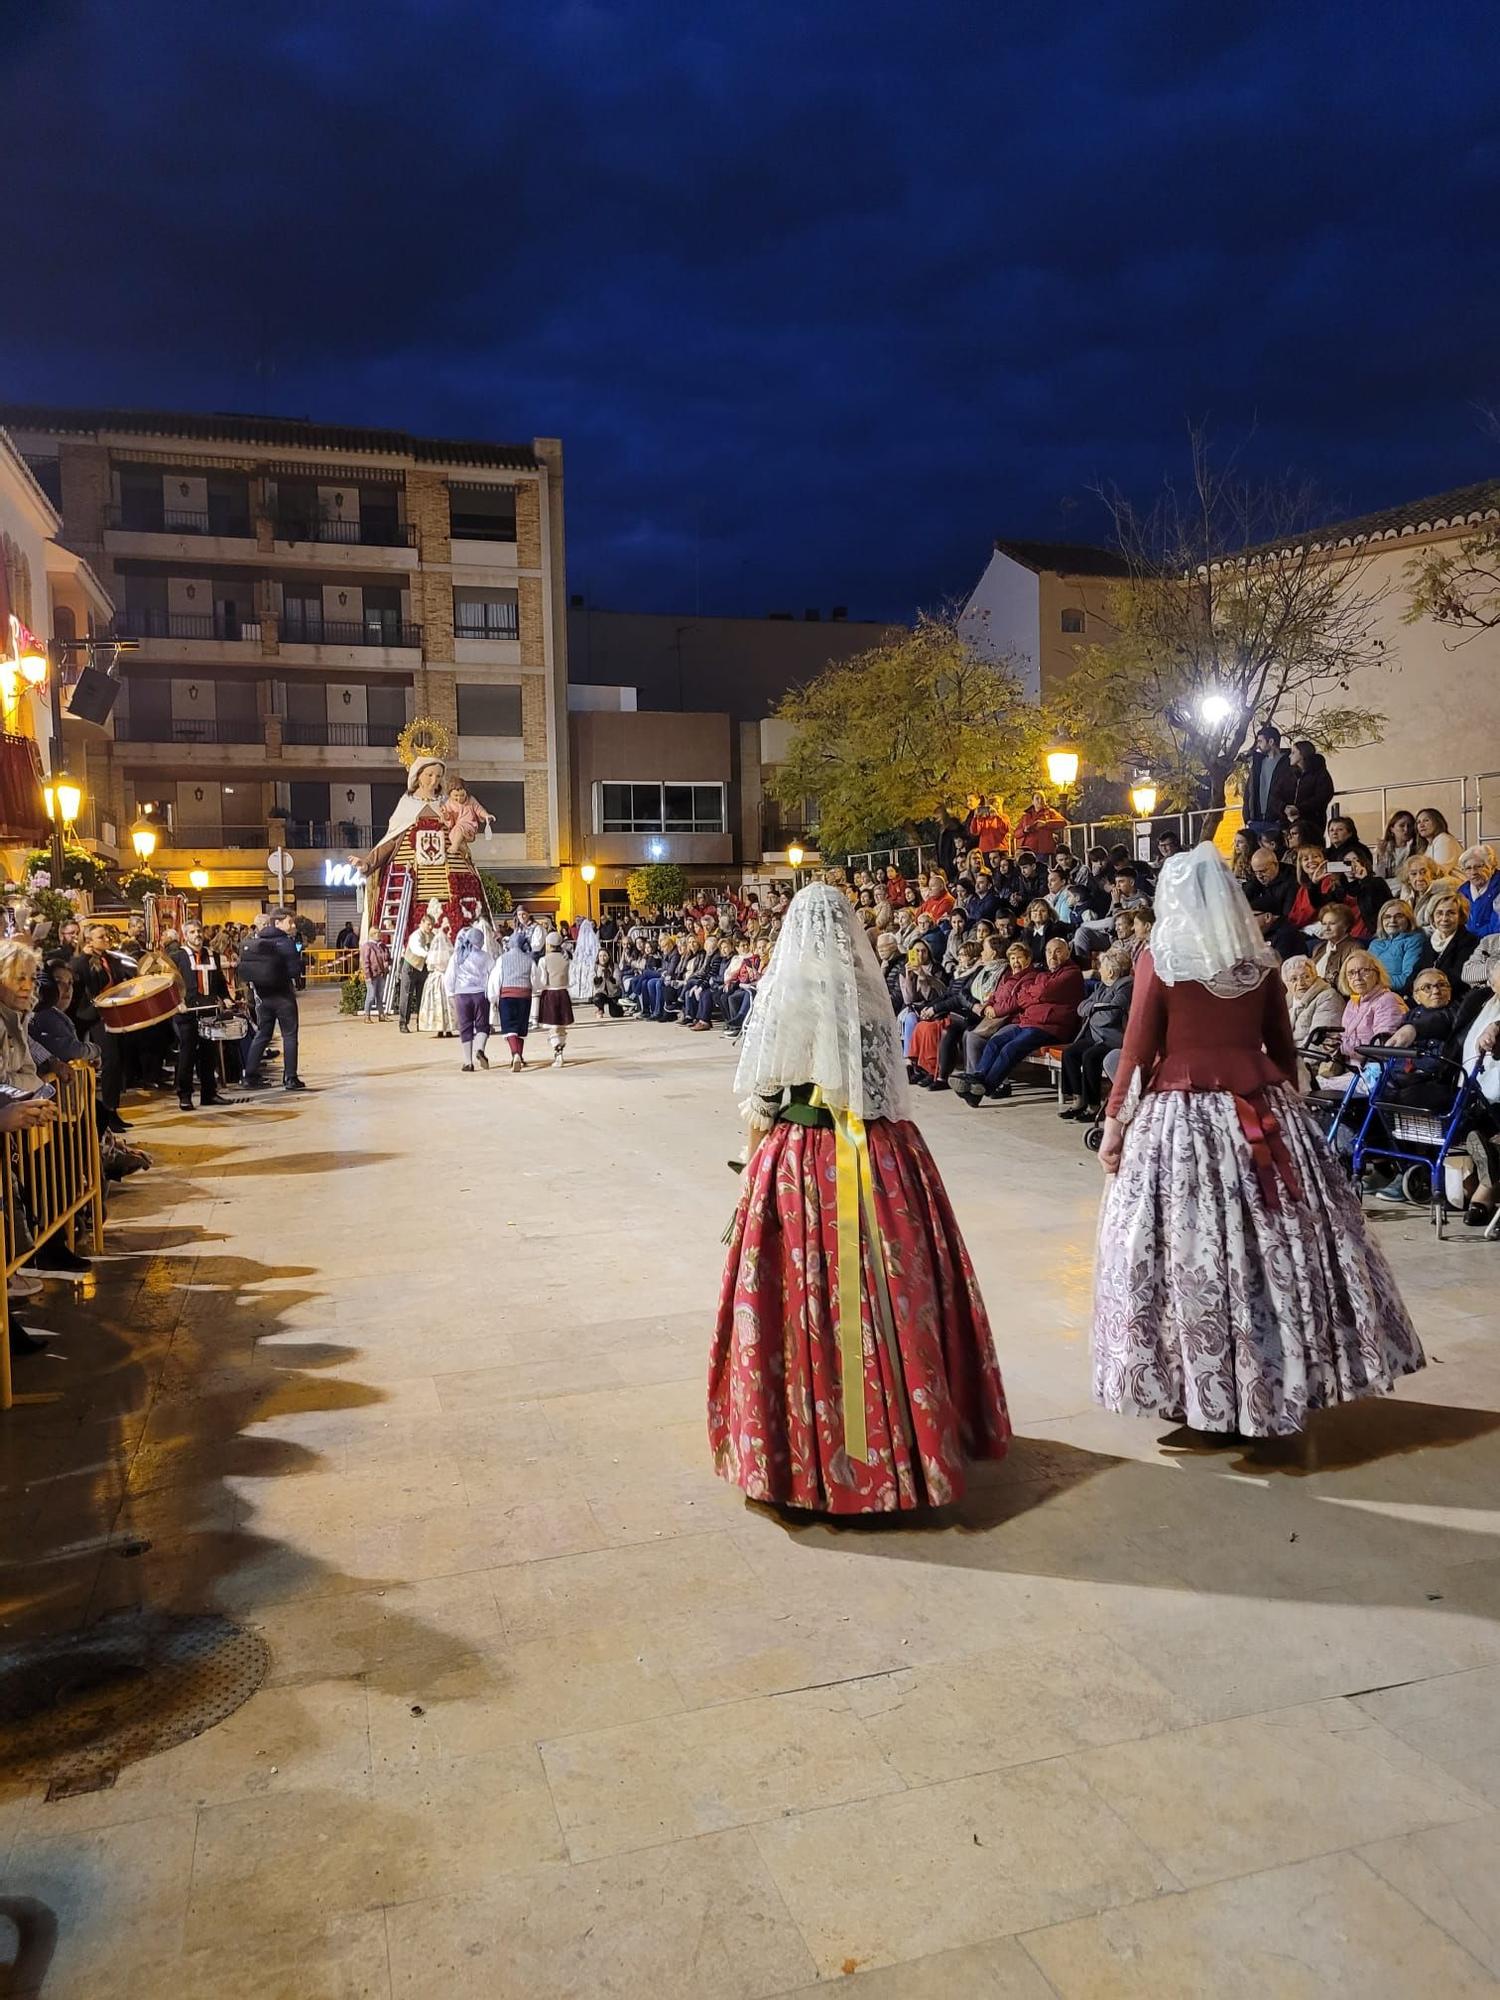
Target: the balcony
(375, 629)
(164, 532)
(200, 840)
(500, 621)
(190, 730)
(190, 637)
(341, 835)
(341, 735)
(368, 534)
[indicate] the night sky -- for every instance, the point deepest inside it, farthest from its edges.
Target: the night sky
(820, 297)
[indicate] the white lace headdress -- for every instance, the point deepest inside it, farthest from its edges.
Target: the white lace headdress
(822, 1015)
(1204, 929)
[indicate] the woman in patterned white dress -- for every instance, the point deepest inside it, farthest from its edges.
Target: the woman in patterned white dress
(1236, 1289)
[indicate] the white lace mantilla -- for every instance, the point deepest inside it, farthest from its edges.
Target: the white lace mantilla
(823, 1016)
(1204, 930)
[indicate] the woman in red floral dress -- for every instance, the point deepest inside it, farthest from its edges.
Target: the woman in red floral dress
(845, 1264)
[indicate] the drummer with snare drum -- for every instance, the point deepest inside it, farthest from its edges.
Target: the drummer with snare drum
(205, 995)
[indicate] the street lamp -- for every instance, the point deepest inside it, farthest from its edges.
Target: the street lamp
(1215, 710)
(63, 795)
(588, 871)
(198, 876)
(143, 840)
(794, 857)
(1062, 768)
(1143, 798)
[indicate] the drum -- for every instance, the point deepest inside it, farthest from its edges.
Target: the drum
(138, 1003)
(225, 1028)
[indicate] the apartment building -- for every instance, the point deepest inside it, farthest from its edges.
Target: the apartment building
(297, 592)
(1038, 603)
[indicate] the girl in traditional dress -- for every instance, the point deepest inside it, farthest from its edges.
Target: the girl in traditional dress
(436, 1014)
(1235, 1289)
(510, 994)
(853, 1370)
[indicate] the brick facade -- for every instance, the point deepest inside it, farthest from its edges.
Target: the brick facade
(538, 816)
(427, 511)
(529, 617)
(528, 526)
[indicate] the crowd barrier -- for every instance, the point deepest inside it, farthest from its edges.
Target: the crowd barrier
(52, 1178)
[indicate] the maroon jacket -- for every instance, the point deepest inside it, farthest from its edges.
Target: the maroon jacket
(1186, 1038)
(1012, 994)
(1054, 1003)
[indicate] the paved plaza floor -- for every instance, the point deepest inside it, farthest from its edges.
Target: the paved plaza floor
(408, 1376)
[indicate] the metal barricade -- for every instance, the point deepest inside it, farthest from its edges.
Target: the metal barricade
(51, 1178)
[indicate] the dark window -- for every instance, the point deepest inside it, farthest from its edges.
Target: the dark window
(1072, 621)
(485, 614)
(483, 514)
(661, 808)
(508, 804)
(486, 710)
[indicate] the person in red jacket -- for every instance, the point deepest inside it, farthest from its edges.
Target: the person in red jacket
(987, 826)
(1003, 1005)
(1040, 828)
(1048, 1013)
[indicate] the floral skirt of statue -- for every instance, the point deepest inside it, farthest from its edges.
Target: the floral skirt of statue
(931, 1385)
(1236, 1287)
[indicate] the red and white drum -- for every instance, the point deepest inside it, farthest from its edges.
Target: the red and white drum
(138, 1003)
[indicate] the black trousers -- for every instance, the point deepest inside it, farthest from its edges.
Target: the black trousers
(195, 1052)
(1083, 1071)
(111, 1065)
(272, 1011)
(413, 979)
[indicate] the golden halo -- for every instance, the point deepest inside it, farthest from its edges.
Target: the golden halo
(422, 737)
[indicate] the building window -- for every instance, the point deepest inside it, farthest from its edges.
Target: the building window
(507, 803)
(486, 710)
(659, 809)
(482, 513)
(485, 614)
(1072, 621)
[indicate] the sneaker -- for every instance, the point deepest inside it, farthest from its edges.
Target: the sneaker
(23, 1285)
(294, 1083)
(1073, 1108)
(1395, 1194)
(999, 1090)
(185, 1104)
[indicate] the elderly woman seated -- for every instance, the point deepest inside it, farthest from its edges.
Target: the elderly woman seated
(1371, 1013)
(942, 1021)
(1315, 1007)
(1101, 1019)
(1398, 944)
(1481, 886)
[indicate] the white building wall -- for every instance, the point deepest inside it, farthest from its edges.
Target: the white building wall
(1003, 618)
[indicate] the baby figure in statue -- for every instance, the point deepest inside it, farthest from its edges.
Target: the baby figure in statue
(463, 816)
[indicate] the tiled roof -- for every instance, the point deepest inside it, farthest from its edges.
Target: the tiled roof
(1460, 507)
(222, 425)
(1066, 558)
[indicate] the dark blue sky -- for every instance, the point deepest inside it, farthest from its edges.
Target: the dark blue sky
(820, 297)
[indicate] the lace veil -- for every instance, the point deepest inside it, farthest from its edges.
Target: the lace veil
(822, 1015)
(1204, 930)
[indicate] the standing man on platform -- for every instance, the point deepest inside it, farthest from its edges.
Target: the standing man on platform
(270, 963)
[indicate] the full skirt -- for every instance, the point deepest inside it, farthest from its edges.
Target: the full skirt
(436, 1013)
(775, 1410)
(554, 1009)
(1214, 1308)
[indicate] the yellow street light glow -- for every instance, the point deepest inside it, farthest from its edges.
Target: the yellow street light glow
(794, 856)
(199, 878)
(64, 795)
(1062, 767)
(143, 839)
(588, 871)
(1143, 798)
(1215, 710)
(34, 667)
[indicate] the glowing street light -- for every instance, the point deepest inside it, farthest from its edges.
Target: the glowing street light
(1062, 768)
(587, 872)
(64, 795)
(143, 840)
(1143, 798)
(1215, 710)
(198, 876)
(794, 856)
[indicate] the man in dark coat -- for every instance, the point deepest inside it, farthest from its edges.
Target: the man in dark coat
(270, 963)
(1270, 892)
(205, 991)
(1271, 784)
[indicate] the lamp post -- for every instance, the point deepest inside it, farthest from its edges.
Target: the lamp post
(1062, 768)
(198, 876)
(588, 871)
(794, 861)
(1143, 800)
(143, 839)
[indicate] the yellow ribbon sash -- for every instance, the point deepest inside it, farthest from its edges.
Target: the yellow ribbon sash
(856, 1199)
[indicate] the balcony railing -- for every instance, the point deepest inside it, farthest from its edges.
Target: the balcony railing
(138, 624)
(198, 839)
(370, 534)
(340, 834)
(190, 729)
(342, 735)
(375, 630)
(176, 521)
(490, 621)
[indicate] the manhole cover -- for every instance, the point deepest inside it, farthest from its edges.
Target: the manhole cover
(74, 1709)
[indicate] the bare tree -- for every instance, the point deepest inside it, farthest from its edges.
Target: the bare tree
(1231, 614)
